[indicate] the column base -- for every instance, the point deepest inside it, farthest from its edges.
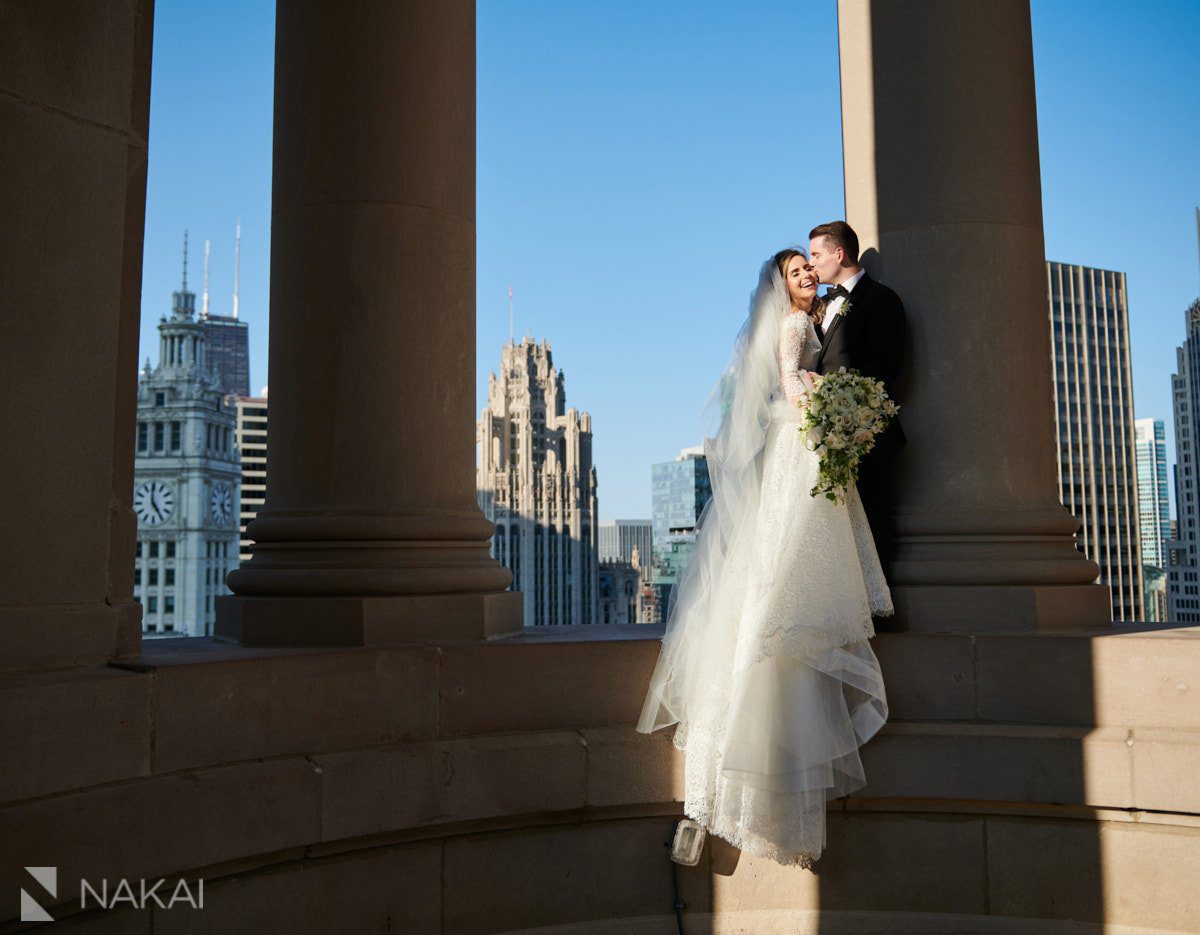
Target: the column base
(999, 608)
(369, 620)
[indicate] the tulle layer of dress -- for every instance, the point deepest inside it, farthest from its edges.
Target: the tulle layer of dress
(768, 673)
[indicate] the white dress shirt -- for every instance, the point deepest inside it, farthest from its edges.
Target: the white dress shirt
(831, 309)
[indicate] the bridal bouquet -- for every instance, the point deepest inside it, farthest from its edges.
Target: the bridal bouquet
(844, 413)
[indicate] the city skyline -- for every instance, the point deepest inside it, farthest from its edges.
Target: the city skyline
(584, 232)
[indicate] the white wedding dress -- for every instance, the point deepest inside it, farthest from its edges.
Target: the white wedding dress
(765, 664)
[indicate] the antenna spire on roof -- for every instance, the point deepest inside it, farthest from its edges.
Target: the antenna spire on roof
(237, 265)
(204, 300)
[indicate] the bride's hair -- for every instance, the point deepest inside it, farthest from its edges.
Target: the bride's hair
(782, 258)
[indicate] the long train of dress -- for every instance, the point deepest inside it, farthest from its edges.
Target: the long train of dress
(774, 699)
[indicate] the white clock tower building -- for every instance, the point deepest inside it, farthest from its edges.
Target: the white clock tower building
(186, 477)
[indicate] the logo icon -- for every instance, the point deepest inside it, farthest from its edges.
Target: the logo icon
(31, 909)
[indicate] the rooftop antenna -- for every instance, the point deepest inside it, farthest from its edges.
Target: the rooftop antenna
(237, 265)
(510, 299)
(184, 260)
(204, 301)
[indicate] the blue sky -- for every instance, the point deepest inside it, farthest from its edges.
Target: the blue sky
(636, 162)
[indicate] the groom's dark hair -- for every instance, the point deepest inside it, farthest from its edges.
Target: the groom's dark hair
(842, 235)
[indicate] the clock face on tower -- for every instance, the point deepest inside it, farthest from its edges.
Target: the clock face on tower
(153, 502)
(221, 504)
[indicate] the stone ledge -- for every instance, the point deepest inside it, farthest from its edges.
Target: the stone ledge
(72, 728)
(926, 874)
(313, 620)
(367, 792)
(161, 825)
(65, 636)
(217, 704)
(272, 804)
(337, 802)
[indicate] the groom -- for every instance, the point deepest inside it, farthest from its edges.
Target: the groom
(864, 330)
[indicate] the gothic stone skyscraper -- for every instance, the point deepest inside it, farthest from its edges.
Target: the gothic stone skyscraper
(186, 476)
(1183, 552)
(1093, 407)
(536, 482)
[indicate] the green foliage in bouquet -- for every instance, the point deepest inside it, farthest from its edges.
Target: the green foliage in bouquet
(844, 414)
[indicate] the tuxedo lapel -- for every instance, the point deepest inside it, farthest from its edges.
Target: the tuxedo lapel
(828, 339)
(857, 293)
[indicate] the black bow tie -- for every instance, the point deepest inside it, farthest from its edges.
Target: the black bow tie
(835, 291)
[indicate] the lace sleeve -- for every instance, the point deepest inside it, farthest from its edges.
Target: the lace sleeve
(791, 349)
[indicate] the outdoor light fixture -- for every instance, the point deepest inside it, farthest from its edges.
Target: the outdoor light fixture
(689, 842)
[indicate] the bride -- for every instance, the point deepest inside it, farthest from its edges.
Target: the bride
(765, 664)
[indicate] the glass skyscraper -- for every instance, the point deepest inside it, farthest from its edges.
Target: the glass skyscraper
(1154, 505)
(680, 490)
(228, 352)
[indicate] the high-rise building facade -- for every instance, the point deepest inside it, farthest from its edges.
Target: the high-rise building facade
(186, 481)
(1093, 405)
(620, 591)
(1154, 503)
(228, 341)
(535, 480)
(619, 537)
(227, 337)
(1183, 550)
(625, 544)
(251, 440)
(679, 491)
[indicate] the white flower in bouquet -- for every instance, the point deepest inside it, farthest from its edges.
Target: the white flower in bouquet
(844, 414)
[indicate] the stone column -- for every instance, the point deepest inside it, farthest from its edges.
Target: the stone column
(370, 531)
(942, 185)
(74, 113)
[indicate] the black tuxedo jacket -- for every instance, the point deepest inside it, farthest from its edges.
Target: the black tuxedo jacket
(870, 338)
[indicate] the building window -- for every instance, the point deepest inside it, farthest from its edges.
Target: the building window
(176, 436)
(154, 549)
(143, 436)
(137, 549)
(159, 436)
(169, 577)
(170, 544)
(152, 604)
(169, 604)
(160, 399)
(153, 576)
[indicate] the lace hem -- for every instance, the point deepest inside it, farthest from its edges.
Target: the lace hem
(751, 843)
(767, 794)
